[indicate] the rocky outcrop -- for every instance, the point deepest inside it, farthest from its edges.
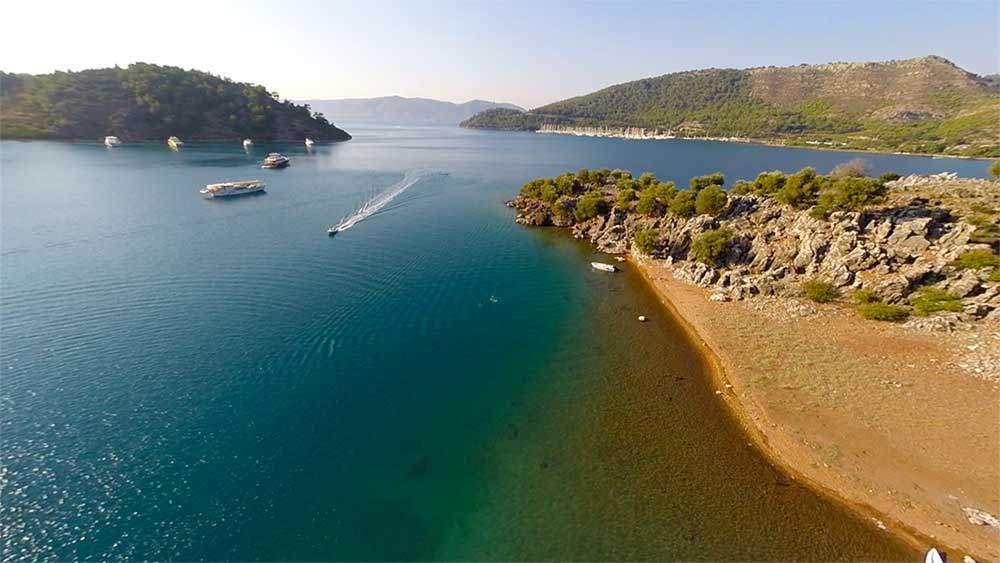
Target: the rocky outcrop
(890, 251)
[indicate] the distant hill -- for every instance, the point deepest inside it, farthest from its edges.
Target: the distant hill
(402, 111)
(150, 102)
(926, 105)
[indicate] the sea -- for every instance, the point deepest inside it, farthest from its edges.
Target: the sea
(191, 379)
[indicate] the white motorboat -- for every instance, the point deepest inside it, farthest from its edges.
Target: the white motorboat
(275, 160)
(247, 143)
(112, 141)
(603, 267)
(174, 142)
(309, 142)
(230, 189)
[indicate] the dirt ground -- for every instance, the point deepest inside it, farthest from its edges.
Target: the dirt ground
(903, 425)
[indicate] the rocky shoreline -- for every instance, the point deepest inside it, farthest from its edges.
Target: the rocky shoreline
(892, 249)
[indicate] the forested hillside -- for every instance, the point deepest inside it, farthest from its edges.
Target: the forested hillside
(150, 102)
(925, 105)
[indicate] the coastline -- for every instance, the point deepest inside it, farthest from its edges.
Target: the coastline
(749, 141)
(803, 450)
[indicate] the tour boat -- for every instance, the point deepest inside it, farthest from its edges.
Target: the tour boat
(603, 267)
(247, 143)
(230, 189)
(112, 141)
(309, 142)
(275, 160)
(174, 142)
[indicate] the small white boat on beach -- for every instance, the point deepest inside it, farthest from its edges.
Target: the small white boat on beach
(112, 141)
(247, 143)
(309, 142)
(174, 142)
(232, 189)
(603, 267)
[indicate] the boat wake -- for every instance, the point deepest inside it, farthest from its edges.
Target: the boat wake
(375, 203)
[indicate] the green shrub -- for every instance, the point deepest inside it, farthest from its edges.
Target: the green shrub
(889, 177)
(590, 205)
(625, 198)
(626, 184)
(865, 297)
(683, 204)
(654, 200)
(800, 189)
(711, 246)
(769, 183)
(848, 193)
(980, 207)
(701, 182)
(647, 240)
(987, 232)
(710, 200)
(995, 169)
(820, 291)
(994, 276)
(976, 260)
(881, 312)
(931, 300)
(647, 180)
(742, 187)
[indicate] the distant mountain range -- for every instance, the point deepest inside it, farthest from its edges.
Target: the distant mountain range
(923, 105)
(402, 111)
(146, 102)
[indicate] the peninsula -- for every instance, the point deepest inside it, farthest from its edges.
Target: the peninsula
(146, 102)
(924, 105)
(854, 321)
(397, 110)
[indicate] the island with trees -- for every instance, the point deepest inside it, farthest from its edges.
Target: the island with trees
(146, 102)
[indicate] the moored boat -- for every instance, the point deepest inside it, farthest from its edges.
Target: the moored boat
(247, 143)
(603, 267)
(275, 160)
(309, 142)
(112, 141)
(174, 142)
(230, 189)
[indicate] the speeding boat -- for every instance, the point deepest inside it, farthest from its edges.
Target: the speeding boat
(309, 142)
(231, 189)
(275, 160)
(247, 143)
(174, 142)
(603, 267)
(112, 141)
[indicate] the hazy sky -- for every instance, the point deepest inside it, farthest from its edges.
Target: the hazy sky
(529, 53)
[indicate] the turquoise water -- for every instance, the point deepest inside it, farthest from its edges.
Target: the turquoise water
(189, 379)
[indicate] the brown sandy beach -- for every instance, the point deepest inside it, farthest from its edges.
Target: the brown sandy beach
(902, 425)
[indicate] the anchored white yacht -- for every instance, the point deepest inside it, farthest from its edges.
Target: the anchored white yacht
(230, 189)
(275, 160)
(112, 141)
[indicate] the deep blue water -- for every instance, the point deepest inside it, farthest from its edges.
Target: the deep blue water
(190, 379)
